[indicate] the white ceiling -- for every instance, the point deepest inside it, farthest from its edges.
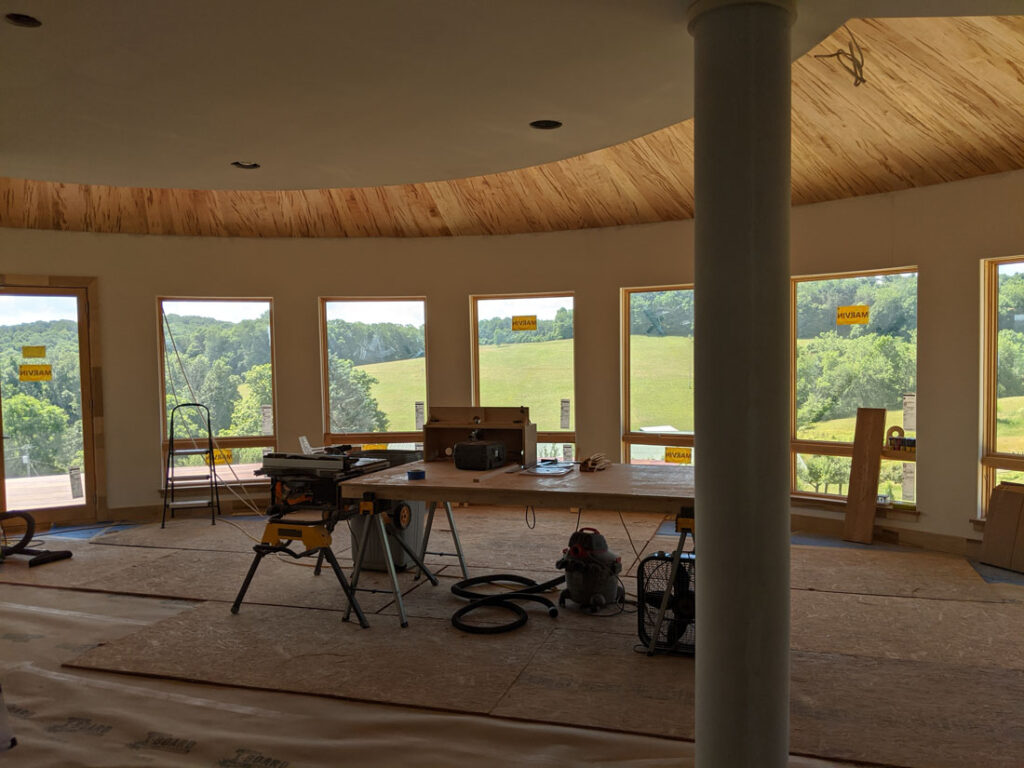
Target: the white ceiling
(350, 93)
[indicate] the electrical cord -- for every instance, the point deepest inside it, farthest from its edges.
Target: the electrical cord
(530, 525)
(505, 601)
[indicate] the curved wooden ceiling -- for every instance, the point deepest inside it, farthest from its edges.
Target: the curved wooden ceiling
(943, 101)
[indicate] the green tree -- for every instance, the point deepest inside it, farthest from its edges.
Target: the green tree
(258, 390)
(353, 408)
(35, 436)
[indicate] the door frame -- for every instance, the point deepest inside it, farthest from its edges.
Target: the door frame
(85, 289)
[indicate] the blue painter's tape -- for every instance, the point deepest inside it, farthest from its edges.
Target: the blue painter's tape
(416, 474)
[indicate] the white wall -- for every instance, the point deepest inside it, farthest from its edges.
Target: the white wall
(944, 230)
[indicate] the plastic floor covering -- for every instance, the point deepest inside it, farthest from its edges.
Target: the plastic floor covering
(127, 655)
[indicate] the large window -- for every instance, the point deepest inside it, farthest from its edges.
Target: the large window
(524, 356)
(658, 375)
(219, 352)
(855, 346)
(1003, 458)
(375, 375)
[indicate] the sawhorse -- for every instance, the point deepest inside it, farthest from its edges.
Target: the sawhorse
(455, 538)
(277, 538)
(387, 526)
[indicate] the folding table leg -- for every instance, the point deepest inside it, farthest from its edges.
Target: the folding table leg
(248, 580)
(358, 566)
(349, 593)
(455, 538)
(426, 536)
(391, 570)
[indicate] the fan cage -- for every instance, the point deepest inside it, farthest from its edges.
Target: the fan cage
(677, 633)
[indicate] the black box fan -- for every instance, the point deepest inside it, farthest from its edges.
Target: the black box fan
(676, 632)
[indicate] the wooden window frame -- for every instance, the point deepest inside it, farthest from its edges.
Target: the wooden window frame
(825, 447)
(91, 382)
(992, 460)
(629, 437)
(551, 436)
(365, 438)
(243, 441)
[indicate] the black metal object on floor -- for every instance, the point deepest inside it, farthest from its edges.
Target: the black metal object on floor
(36, 556)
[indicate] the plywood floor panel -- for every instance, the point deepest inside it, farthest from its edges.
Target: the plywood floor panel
(936, 631)
(308, 651)
(884, 572)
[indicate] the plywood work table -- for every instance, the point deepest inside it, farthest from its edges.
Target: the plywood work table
(620, 487)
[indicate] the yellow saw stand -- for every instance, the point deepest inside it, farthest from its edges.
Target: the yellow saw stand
(278, 537)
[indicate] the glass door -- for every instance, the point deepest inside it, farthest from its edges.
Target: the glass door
(46, 424)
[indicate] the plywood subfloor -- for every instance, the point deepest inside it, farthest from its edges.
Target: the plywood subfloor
(900, 657)
(845, 705)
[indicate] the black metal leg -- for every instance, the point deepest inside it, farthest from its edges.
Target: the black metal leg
(349, 593)
(319, 563)
(248, 580)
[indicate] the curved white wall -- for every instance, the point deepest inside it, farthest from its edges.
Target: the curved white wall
(944, 230)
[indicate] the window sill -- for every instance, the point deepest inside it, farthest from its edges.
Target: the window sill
(834, 504)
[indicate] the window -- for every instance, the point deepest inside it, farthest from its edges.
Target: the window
(1003, 457)
(855, 345)
(375, 374)
(524, 356)
(657, 375)
(219, 352)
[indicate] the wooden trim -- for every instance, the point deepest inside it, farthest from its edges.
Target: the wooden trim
(684, 440)
(557, 437)
(991, 458)
(267, 439)
(362, 438)
(854, 273)
(325, 371)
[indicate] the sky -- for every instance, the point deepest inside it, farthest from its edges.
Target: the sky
(543, 307)
(230, 311)
(401, 312)
(15, 310)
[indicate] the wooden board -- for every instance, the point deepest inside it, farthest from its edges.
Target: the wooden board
(941, 102)
(1002, 526)
(862, 497)
(621, 487)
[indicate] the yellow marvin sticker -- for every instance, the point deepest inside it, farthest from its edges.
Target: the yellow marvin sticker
(524, 322)
(855, 315)
(33, 351)
(35, 373)
(222, 456)
(375, 446)
(677, 455)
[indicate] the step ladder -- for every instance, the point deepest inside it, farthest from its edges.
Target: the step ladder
(201, 445)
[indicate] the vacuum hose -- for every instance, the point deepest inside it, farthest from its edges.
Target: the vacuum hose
(26, 539)
(504, 600)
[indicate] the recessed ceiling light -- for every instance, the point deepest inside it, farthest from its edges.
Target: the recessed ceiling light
(247, 165)
(23, 20)
(545, 125)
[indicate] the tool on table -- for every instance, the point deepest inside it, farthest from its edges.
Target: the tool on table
(595, 463)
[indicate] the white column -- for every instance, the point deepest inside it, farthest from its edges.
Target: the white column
(742, 148)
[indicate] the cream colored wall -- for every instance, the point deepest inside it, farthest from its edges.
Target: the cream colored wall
(945, 230)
